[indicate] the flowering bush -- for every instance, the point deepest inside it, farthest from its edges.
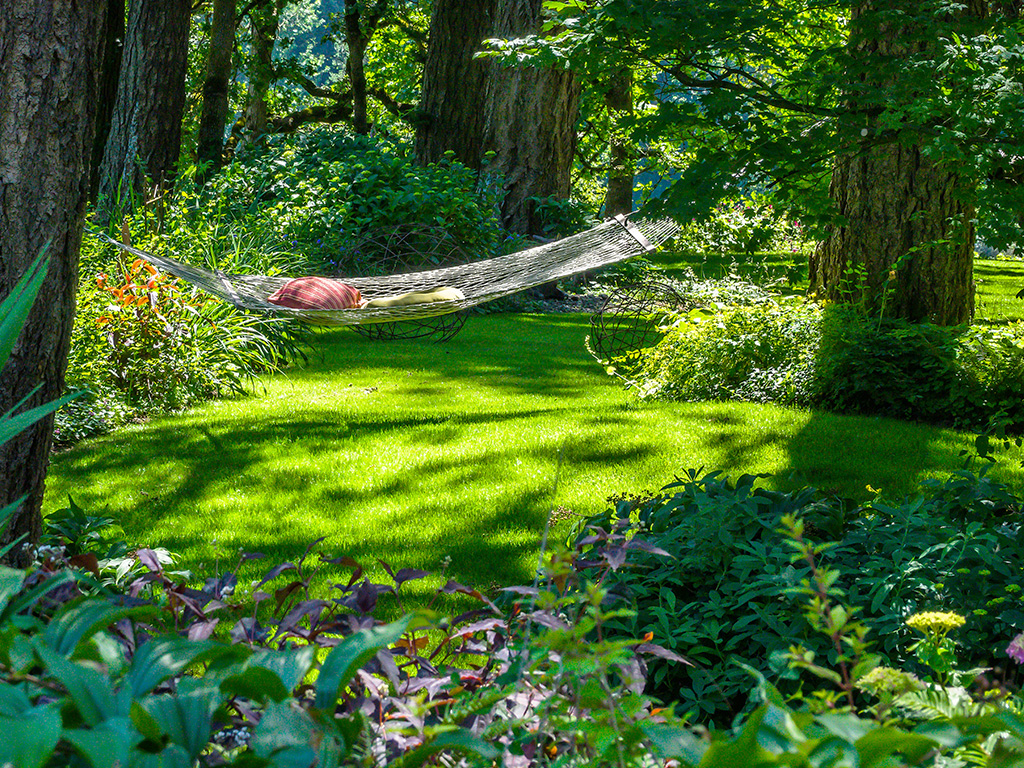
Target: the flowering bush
(143, 341)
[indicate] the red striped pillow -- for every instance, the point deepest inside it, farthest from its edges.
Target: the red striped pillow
(316, 293)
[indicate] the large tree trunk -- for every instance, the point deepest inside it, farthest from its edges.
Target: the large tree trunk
(531, 125)
(145, 133)
(618, 98)
(50, 52)
(210, 142)
(905, 247)
(110, 72)
(454, 83)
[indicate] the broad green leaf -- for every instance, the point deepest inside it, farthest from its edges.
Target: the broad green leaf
(28, 599)
(11, 580)
(90, 691)
(14, 702)
(846, 726)
(69, 628)
(878, 746)
(460, 741)
(107, 746)
(174, 756)
(29, 739)
(291, 665)
(674, 742)
(185, 717)
(160, 658)
(12, 425)
(255, 683)
(15, 308)
(349, 655)
(284, 735)
(741, 752)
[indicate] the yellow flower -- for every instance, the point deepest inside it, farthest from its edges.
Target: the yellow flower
(935, 622)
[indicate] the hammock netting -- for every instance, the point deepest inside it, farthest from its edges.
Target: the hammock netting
(613, 241)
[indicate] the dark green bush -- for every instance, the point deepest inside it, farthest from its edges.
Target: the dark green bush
(322, 191)
(724, 594)
(798, 353)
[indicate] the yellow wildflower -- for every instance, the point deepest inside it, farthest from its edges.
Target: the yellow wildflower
(935, 622)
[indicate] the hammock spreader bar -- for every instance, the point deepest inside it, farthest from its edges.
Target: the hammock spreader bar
(613, 241)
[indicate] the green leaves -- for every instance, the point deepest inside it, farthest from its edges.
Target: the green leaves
(353, 652)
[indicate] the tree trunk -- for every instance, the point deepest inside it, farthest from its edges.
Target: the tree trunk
(214, 117)
(454, 83)
(618, 198)
(145, 133)
(50, 54)
(264, 21)
(359, 29)
(905, 247)
(110, 71)
(531, 118)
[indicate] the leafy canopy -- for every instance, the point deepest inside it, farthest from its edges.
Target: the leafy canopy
(763, 94)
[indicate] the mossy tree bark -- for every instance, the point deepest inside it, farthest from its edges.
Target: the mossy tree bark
(618, 98)
(263, 23)
(360, 24)
(50, 53)
(110, 72)
(531, 125)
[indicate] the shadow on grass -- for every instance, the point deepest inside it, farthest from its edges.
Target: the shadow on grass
(414, 452)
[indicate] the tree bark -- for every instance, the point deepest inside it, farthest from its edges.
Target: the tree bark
(113, 47)
(531, 125)
(618, 198)
(50, 53)
(214, 116)
(905, 247)
(263, 21)
(359, 29)
(145, 133)
(454, 88)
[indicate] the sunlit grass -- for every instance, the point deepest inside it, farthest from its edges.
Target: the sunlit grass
(414, 452)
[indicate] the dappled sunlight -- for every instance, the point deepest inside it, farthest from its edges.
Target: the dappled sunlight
(415, 452)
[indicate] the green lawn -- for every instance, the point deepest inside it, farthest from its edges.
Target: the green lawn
(413, 452)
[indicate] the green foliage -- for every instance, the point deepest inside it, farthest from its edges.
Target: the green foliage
(322, 191)
(760, 352)
(963, 377)
(726, 594)
(770, 94)
(747, 346)
(744, 225)
(144, 341)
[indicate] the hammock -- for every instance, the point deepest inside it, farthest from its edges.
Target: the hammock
(480, 281)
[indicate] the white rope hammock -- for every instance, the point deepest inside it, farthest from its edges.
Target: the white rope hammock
(613, 241)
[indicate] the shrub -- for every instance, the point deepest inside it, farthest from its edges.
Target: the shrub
(725, 594)
(800, 353)
(144, 341)
(322, 191)
(763, 352)
(745, 225)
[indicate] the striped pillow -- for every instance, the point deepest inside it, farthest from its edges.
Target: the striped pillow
(316, 293)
